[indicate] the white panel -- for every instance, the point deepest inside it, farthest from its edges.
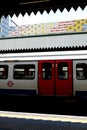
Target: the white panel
(78, 85)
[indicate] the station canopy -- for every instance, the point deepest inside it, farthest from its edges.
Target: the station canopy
(16, 7)
(12, 7)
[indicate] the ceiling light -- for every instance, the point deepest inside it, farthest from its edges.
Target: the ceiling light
(33, 2)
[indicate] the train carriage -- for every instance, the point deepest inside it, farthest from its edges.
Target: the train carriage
(55, 76)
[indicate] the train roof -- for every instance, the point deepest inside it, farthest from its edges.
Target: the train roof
(36, 56)
(48, 42)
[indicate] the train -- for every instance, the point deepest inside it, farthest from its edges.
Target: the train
(58, 73)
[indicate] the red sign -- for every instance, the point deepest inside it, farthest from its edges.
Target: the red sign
(10, 83)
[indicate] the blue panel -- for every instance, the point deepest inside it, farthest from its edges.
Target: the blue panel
(17, 92)
(81, 94)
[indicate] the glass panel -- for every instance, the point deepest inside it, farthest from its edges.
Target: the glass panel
(24, 71)
(81, 71)
(3, 71)
(63, 70)
(47, 71)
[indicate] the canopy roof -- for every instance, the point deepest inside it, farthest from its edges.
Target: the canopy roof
(41, 43)
(22, 6)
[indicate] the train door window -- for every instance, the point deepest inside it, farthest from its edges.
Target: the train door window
(63, 70)
(46, 71)
(24, 71)
(81, 71)
(3, 71)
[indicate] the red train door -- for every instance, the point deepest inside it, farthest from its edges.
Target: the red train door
(46, 78)
(63, 78)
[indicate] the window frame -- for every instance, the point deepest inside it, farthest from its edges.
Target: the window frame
(84, 71)
(61, 76)
(4, 77)
(26, 73)
(47, 77)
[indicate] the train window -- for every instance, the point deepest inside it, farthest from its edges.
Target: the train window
(3, 71)
(24, 71)
(63, 70)
(81, 71)
(46, 71)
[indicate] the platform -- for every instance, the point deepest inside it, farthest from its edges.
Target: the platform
(35, 121)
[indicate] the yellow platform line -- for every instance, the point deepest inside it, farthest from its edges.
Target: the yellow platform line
(37, 116)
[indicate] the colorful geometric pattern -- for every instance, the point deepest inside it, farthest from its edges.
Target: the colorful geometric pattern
(39, 29)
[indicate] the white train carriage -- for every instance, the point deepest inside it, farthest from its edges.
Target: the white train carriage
(80, 77)
(18, 78)
(44, 74)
